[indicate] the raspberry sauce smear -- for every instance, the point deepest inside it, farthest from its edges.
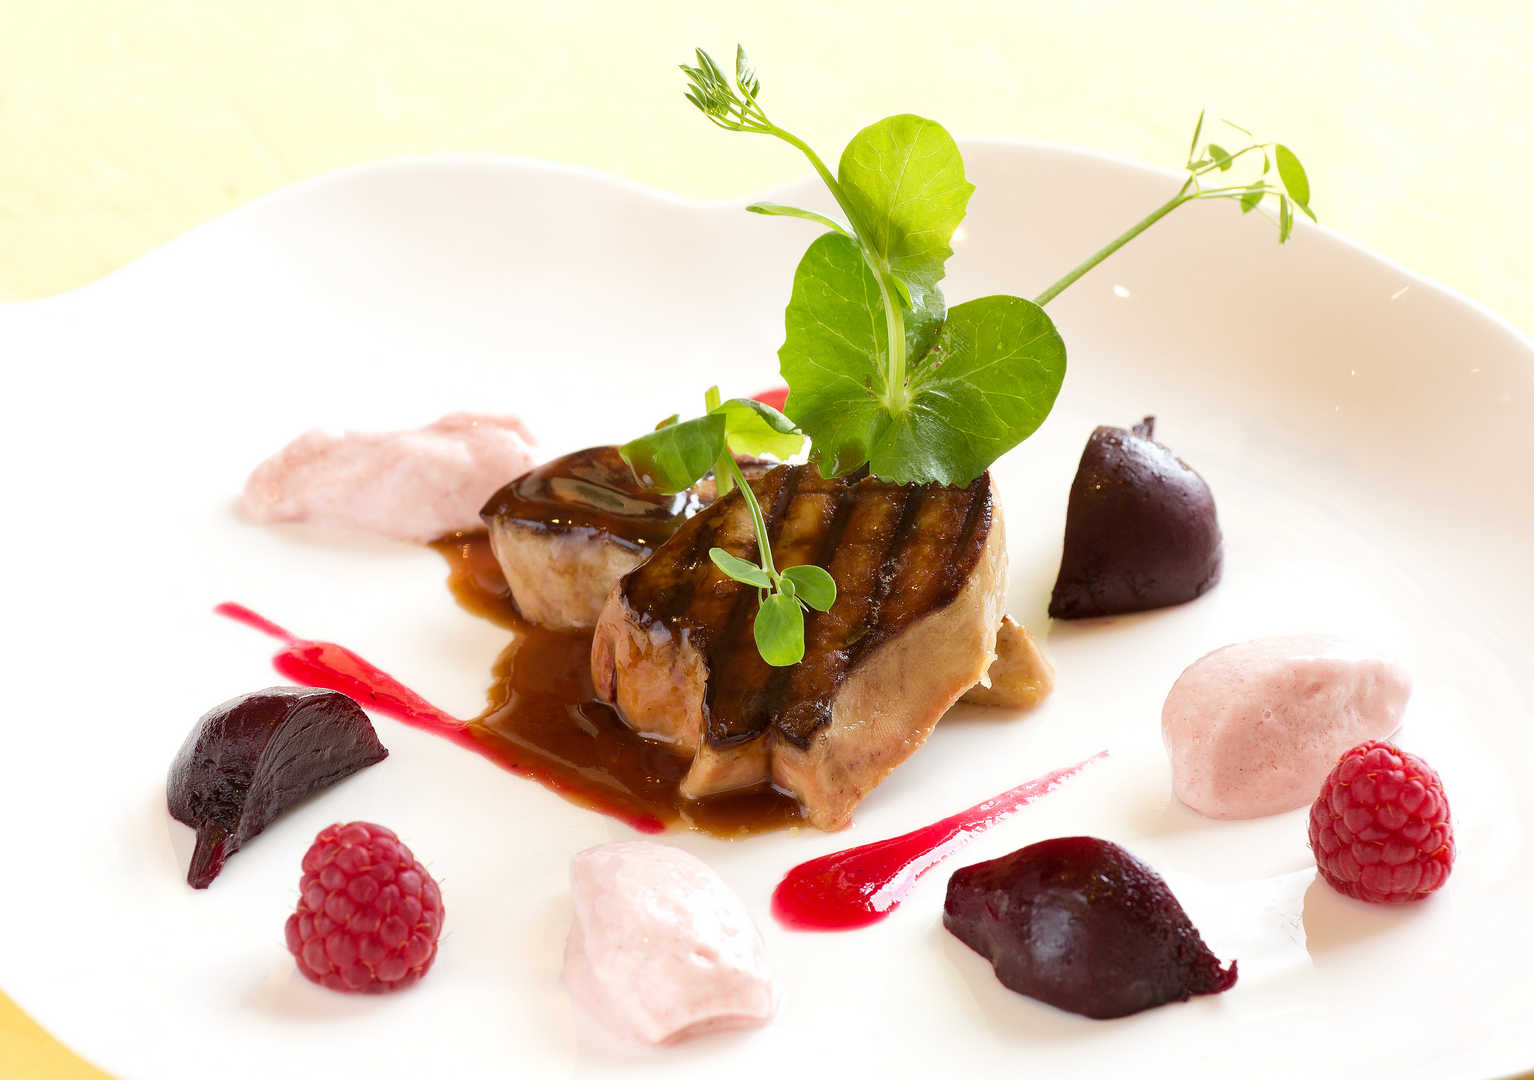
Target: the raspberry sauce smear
(859, 886)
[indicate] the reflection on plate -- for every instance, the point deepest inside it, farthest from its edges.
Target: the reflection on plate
(1361, 428)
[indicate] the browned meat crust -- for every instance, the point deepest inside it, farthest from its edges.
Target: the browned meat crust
(920, 573)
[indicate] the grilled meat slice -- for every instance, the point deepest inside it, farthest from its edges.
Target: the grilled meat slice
(565, 532)
(920, 573)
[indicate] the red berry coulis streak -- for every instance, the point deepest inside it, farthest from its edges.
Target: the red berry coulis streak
(334, 667)
(857, 887)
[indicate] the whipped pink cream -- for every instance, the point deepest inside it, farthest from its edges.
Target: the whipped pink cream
(409, 485)
(660, 948)
(1253, 729)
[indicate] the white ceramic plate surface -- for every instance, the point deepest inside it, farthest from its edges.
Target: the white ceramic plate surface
(1364, 431)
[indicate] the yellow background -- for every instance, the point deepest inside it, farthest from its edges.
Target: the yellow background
(124, 123)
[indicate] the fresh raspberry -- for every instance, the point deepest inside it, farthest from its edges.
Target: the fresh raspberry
(1380, 828)
(368, 913)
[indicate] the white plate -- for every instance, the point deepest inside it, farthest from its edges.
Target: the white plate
(1364, 431)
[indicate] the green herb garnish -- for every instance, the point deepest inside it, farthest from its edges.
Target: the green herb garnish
(678, 454)
(881, 373)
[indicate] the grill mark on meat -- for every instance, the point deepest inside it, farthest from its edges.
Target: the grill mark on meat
(808, 708)
(769, 704)
(696, 593)
(735, 648)
(971, 540)
(889, 571)
(897, 552)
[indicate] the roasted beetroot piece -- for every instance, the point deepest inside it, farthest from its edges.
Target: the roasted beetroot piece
(1140, 529)
(1083, 925)
(256, 755)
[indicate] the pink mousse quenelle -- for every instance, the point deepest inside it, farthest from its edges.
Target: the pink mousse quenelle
(660, 948)
(418, 485)
(1253, 729)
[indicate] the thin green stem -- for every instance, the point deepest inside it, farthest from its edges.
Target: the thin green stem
(895, 398)
(1215, 164)
(820, 168)
(763, 542)
(1113, 245)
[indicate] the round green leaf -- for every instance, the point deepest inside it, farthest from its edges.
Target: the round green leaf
(987, 385)
(739, 569)
(904, 180)
(675, 457)
(779, 630)
(813, 585)
(750, 427)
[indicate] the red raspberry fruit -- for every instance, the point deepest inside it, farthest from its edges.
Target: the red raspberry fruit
(368, 913)
(1380, 828)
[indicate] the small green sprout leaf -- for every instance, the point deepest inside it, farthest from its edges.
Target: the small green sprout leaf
(1285, 218)
(987, 385)
(813, 585)
(1292, 173)
(1220, 156)
(738, 569)
(745, 74)
(752, 427)
(1252, 197)
(779, 630)
(779, 210)
(1198, 129)
(834, 349)
(903, 179)
(674, 457)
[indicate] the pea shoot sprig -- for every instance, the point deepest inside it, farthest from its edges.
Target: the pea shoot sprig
(679, 453)
(1211, 160)
(881, 372)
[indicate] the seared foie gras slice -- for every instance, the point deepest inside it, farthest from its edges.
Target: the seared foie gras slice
(1020, 677)
(566, 531)
(920, 574)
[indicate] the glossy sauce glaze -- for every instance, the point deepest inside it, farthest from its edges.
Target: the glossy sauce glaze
(594, 491)
(850, 889)
(541, 702)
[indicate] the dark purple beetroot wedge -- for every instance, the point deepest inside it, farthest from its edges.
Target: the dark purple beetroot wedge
(1140, 529)
(1083, 925)
(256, 755)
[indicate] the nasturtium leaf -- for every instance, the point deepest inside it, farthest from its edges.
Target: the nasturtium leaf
(779, 630)
(987, 385)
(813, 584)
(1292, 173)
(904, 180)
(746, 572)
(676, 456)
(752, 427)
(1252, 196)
(779, 210)
(833, 354)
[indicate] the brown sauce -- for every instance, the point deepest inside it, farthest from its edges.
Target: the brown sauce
(594, 490)
(542, 711)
